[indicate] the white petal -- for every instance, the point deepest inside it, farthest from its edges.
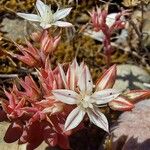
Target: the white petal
(74, 118)
(45, 25)
(31, 17)
(80, 69)
(62, 24)
(105, 96)
(41, 7)
(85, 82)
(62, 73)
(98, 118)
(72, 75)
(59, 14)
(65, 96)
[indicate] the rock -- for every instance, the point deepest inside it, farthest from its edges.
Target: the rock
(136, 17)
(131, 77)
(146, 31)
(16, 29)
(132, 130)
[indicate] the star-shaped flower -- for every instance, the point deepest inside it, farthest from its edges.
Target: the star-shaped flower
(86, 100)
(46, 17)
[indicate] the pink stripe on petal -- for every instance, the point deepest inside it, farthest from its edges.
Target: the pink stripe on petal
(74, 118)
(137, 95)
(98, 118)
(62, 73)
(121, 104)
(85, 82)
(107, 80)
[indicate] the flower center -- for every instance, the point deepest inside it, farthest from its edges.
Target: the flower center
(85, 101)
(48, 17)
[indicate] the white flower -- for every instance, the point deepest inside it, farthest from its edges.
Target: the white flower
(86, 100)
(46, 17)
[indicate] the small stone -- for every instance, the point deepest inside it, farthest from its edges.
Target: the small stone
(16, 29)
(132, 130)
(131, 77)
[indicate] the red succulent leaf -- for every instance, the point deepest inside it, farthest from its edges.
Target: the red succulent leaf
(49, 79)
(17, 111)
(35, 36)
(32, 51)
(38, 116)
(63, 141)
(13, 132)
(50, 136)
(98, 18)
(34, 57)
(5, 106)
(45, 103)
(34, 139)
(36, 113)
(3, 115)
(23, 138)
(48, 43)
(121, 104)
(119, 23)
(107, 79)
(12, 99)
(29, 55)
(13, 106)
(27, 59)
(31, 88)
(137, 95)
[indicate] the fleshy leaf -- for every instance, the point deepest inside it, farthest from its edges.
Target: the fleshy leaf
(71, 75)
(137, 95)
(85, 82)
(121, 104)
(107, 80)
(13, 132)
(50, 136)
(34, 139)
(63, 141)
(62, 73)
